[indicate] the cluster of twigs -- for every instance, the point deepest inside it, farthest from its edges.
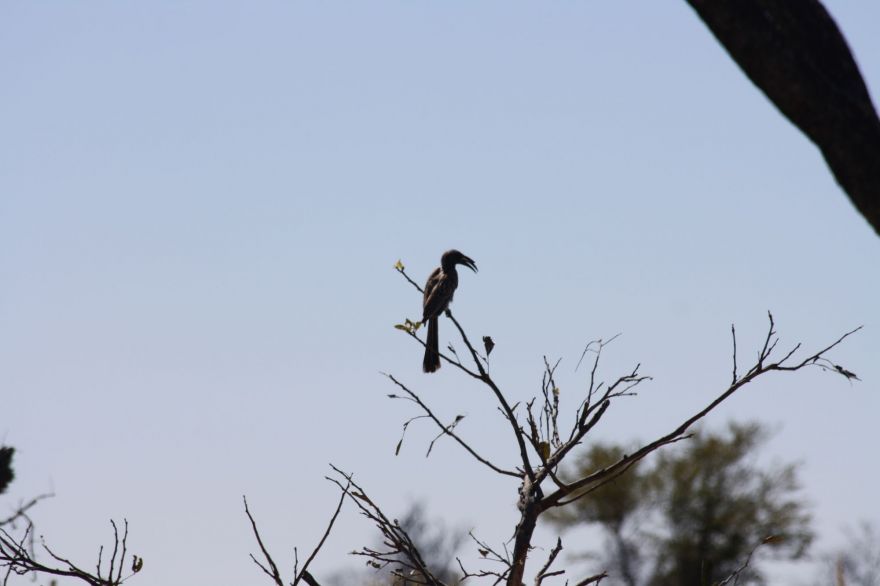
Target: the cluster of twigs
(541, 447)
(17, 556)
(398, 552)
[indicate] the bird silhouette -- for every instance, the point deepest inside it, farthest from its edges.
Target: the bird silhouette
(439, 290)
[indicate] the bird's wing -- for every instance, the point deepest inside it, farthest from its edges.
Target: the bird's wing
(438, 293)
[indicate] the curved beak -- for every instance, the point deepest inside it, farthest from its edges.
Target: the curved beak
(469, 263)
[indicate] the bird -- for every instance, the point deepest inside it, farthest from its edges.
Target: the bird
(439, 289)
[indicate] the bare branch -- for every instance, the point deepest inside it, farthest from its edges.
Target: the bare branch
(449, 360)
(544, 571)
(399, 268)
(274, 573)
(401, 553)
(298, 574)
(304, 574)
(446, 430)
(502, 400)
(555, 499)
(488, 553)
(17, 559)
(592, 579)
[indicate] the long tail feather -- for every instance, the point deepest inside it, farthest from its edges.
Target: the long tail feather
(431, 361)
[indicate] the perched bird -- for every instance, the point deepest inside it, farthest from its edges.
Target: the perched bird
(438, 293)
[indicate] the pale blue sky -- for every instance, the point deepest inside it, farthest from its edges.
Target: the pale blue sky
(200, 207)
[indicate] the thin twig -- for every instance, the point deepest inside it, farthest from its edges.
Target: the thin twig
(304, 572)
(447, 431)
(274, 573)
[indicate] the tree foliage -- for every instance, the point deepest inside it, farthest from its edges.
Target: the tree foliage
(695, 514)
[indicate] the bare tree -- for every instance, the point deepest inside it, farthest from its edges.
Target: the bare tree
(539, 446)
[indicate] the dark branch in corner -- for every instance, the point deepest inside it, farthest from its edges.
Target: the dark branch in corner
(795, 53)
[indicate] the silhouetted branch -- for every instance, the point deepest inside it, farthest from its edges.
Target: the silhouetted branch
(304, 574)
(17, 559)
(299, 575)
(273, 572)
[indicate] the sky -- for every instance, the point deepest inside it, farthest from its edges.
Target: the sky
(201, 204)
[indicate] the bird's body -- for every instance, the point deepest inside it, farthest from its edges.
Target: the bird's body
(439, 290)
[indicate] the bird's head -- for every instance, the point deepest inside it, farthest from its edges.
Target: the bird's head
(453, 257)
